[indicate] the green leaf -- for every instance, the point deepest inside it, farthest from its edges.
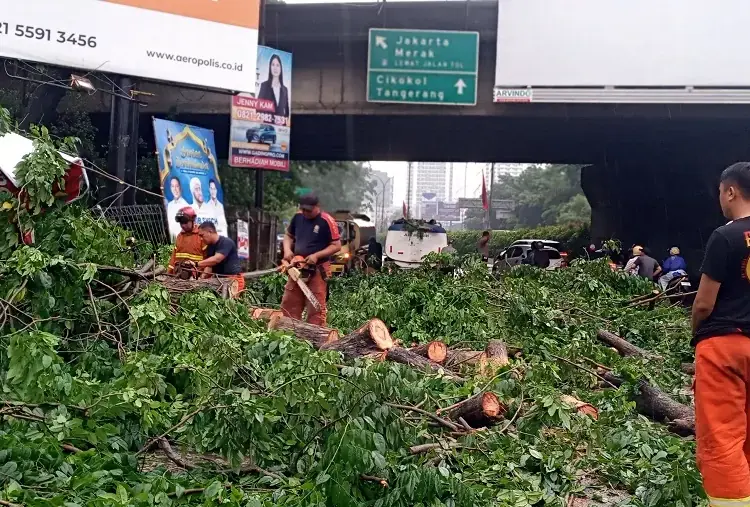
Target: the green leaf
(379, 442)
(322, 478)
(46, 361)
(444, 471)
(212, 491)
(379, 459)
(178, 490)
(536, 454)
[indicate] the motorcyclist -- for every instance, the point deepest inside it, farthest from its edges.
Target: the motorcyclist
(673, 266)
(537, 256)
(189, 248)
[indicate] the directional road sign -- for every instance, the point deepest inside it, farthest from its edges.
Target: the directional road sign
(422, 67)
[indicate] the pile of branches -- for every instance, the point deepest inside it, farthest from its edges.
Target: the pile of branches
(124, 386)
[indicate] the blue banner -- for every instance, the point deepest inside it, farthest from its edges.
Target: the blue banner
(189, 175)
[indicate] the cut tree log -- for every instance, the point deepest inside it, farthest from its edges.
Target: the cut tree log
(456, 358)
(264, 313)
(225, 287)
(688, 368)
(622, 346)
(372, 338)
(497, 353)
(654, 403)
(580, 406)
(481, 410)
(410, 358)
(316, 335)
(435, 351)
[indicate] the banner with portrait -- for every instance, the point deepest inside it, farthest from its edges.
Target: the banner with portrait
(189, 174)
(243, 240)
(261, 125)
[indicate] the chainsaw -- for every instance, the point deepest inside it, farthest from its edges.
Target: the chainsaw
(300, 273)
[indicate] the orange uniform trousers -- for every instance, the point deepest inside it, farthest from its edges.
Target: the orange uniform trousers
(722, 418)
(294, 301)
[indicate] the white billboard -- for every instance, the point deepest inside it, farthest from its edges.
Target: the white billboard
(652, 44)
(207, 43)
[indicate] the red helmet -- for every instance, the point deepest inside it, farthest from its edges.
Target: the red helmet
(185, 214)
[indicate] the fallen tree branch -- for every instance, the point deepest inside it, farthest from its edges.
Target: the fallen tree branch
(173, 455)
(407, 357)
(434, 417)
(373, 478)
(654, 403)
(422, 448)
(316, 335)
(623, 347)
(372, 338)
(481, 410)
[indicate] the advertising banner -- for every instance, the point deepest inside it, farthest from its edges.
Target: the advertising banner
(243, 240)
(189, 174)
(261, 125)
(204, 43)
(448, 212)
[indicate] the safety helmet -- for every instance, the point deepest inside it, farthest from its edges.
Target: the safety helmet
(674, 251)
(637, 250)
(185, 215)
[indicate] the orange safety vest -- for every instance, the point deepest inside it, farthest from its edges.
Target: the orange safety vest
(189, 246)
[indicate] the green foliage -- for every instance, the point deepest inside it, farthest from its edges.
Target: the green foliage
(574, 237)
(93, 374)
(545, 195)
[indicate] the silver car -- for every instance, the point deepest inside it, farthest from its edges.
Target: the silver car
(518, 251)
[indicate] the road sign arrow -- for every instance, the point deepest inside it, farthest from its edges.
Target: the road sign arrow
(460, 85)
(381, 41)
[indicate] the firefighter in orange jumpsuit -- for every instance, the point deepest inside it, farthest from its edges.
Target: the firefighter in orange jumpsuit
(313, 235)
(721, 329)
(189, 248)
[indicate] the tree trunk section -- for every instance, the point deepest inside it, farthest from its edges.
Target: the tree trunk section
(497, 353)
(372, 338)
(264, 313)
(224, 287)
(482, 410)
(316, 335)
(457, 358)
(435, 351)
(623, 347)
(580, 406)
(410, 358)
(654, 403)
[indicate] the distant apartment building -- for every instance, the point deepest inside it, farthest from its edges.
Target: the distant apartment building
(505, 169)
(429, 178)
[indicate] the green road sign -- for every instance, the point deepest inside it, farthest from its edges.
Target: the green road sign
(422, 67)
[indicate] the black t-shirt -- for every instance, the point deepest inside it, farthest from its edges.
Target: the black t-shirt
(312, 236)
(231, 263)
(726, 261)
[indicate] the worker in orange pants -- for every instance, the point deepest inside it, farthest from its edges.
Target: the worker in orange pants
(312, 235)
(294, 301)
(721, 330)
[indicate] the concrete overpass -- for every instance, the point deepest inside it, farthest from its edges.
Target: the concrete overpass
(653, 167)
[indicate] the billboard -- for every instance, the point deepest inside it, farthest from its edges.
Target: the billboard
(448, 212)
(615, 51)
(261, 125)
(189, 174)
(199, 42)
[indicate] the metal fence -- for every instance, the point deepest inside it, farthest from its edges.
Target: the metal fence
(147, 222)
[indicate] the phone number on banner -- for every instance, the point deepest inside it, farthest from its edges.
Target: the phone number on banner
(47, 34)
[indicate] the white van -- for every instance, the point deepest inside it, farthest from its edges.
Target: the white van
(407, 247)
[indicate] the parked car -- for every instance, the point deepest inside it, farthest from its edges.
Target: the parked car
(516, 253)
(265, 134)
(548, 243)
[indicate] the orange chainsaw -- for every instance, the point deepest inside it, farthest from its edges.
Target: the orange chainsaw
(300, 273)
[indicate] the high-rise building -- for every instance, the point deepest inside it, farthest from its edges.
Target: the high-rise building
(505, 169)
(429, 178)
(382, 195)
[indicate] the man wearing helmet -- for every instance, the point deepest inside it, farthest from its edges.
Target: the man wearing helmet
(673, 266)
(189, 248)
